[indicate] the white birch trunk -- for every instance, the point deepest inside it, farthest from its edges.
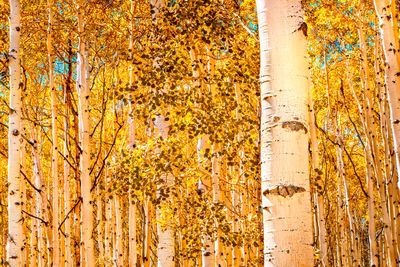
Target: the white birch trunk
(15, 241)
(284, 134)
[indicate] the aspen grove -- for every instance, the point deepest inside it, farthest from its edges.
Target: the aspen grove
(213, 133)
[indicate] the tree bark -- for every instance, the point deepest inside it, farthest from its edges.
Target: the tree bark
(323, 249)
(67, 170)
(392, 70)
(284, 134)
(132, 144)
(15, 241)
(118, 256)
(87, 218)
(54, 163)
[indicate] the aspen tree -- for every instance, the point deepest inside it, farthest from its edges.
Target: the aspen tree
(99, 203)
(114, 230)
(25, 254)
(54, 164)
(392, 69)
(319, 190)
(87, 220)
(108, 226)
(42, 208)
(166, 235)
(118, 252)
(365, 118)
(147, 223)
(216, 168)
(208, 250)
(350, 235)
(67, 170)
(77, 195)
(15, 241)
(284, 129)
(203, 147)
(34, 238)
(370, 130)
(132, 144)
(237, 253)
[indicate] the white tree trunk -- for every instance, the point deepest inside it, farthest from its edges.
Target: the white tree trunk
(132, 140)
(15, 241)
(237, 251)
(323, 254)
(208, 250)
(34, 233)
(42, 207)
(67, 178)
(25, 254)
(54, 163)
(392, 69)
(108, 226)
(100, 233)
(87, 218)
(166, 235)
(118, 256)
(284, 134)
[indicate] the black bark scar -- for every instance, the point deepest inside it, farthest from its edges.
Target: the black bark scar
(294, 126)
(284, 190)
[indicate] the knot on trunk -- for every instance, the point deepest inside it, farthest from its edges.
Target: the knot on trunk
(294, 126)
(284, 190)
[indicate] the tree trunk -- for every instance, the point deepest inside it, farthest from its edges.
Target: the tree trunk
(371, 134)
(108, 227)
(132, 144)
(25, 254)
(166, 235)
(392, 70)
(237, 252)
(15, 242)
(67, 170)
(87, 219)
(42, 206)
(284, 134)
(118, 256)
(323, 249)
(54, 163)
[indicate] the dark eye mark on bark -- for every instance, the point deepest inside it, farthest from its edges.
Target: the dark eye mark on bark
(284, 190)
(304, 28)
(294, 126)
